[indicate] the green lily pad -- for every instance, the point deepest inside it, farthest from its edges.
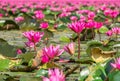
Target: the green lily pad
(103, 29)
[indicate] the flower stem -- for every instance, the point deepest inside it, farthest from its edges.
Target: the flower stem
(116, 37)
(78, 46)
(35, 49)
(92, 33)
(99, 35)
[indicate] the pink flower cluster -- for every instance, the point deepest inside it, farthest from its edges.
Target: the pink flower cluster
(19, 19)
(116, 65)
(49, 53)
(115, 30)
(55, 75)
(44, 25)
(111, 13)
(77, 27)
(33, 37)
(39, 15)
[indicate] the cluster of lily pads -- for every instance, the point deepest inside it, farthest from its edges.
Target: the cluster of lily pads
(87, 23)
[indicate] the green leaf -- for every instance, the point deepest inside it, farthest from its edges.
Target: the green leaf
(47, 11)
(4, 64)
(3, 77)
(61, 27)
(64, 39)
(91, 8)
(65, 19)
(28, 78)
(47, 34)
(103, 29)
(114, 76)
(26, 57)
(41, 72)
(50, 65)
(6, 49)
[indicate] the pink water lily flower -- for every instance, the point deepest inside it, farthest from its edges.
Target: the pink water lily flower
(44, 25)
(33, 36)
(77, 27)
(98, 25)
(116, 65)
(55, 75)
(91, 15)
(109, 33)
(116, 30)
(19, 19)
(114, 13)
(70, 48)
(19, 51)
(48, 53)
(73, 18)
(90, 24)
(29, 44)
(107, 12)
(39, 15)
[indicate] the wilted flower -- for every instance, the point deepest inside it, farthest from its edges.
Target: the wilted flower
(55, 75)
(70, 48)
(48, 53)
(77, 27)
(116, 65)
(44, 25)
(33, 36)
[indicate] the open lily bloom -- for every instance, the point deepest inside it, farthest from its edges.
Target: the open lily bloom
(77, 27)
(55, 75)
(50, 52)
(116, 65)
(33, 36)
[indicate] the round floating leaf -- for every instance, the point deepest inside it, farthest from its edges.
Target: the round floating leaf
(6, 49)
(26, 57)
(61, 27)
(64, 39)
(28, 78)
(4, 64)
(103, 29)
(41, 72)
(114, 76)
